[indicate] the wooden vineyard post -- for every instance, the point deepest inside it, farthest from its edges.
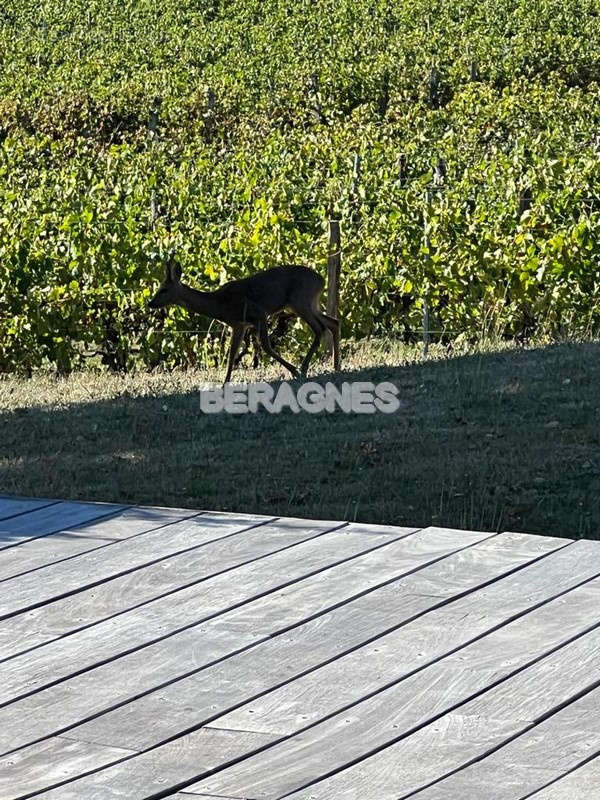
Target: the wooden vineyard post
(334, 265)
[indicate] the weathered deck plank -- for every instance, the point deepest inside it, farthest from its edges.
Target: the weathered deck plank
(116, 596)
(149, 654)
(377, 722)
(13, 506)
(528, 762)
(93, 568)
(50, 519)
(425, 644)
(204, 748)
(465, 733)
(174, 612)
(455, 737)
(21, 773)
(144, 669)
(61, 546)
(581, 783)
(288, 655)
(279, 659)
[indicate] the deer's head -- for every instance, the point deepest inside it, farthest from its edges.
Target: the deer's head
(169, 289)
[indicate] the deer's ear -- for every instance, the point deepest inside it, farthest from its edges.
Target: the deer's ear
(174, 271)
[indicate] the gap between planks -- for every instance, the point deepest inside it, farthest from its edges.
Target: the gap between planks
(14, 507)
(62, 580)
(62, 546)
(59, 516)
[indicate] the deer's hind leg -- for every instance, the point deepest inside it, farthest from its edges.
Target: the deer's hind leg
(319, 323)
(263, 335)
(334, 326)
(318, 327)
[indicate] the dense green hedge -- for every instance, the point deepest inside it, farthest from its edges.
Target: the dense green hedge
(264, 105)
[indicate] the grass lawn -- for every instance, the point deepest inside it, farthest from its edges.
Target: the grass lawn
(501, 438)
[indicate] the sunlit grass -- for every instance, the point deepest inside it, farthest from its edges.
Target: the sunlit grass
(493, 437)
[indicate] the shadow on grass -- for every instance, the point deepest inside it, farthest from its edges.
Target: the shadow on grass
(493, 441)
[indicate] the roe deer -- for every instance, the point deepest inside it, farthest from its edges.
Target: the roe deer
(247, 303)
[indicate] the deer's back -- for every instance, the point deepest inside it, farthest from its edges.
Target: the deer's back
(275, 288)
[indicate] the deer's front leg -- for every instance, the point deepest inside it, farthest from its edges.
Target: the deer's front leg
(237, 335)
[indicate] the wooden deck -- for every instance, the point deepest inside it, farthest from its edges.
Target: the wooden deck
(149, 653)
